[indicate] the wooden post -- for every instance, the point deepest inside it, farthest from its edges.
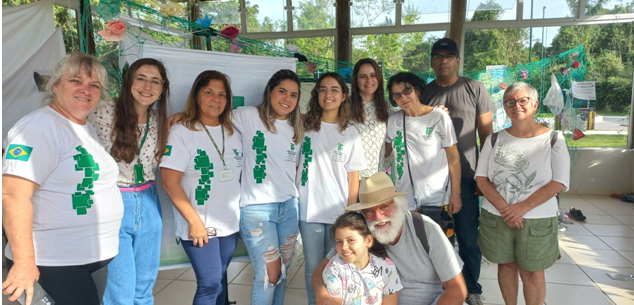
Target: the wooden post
(458, 15)
(343, 52)
(86, 38)
(193, 9)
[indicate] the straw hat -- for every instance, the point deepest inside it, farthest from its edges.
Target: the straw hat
(375, 190)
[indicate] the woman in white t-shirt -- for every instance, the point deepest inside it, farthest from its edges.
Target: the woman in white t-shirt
(271, 132)
(369, 111)
(424, 144)
(328, 178)
(62, 208)
(519, 175)
(201, 175)
(133, 128)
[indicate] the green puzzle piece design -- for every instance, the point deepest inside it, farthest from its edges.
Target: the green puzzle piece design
(82, 202)
(259, 173)
(202, 194)
(202, 160)
(87, 183)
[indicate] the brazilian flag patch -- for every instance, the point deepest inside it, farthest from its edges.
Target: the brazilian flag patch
(19, 152)
(168, 150)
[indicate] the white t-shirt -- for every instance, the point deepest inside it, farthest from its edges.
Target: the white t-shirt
(77, 208)
(427, 138)
(518, 167)
(103, 119)
(216, 202)
(270, 159)
(322, 177)
(345, 281)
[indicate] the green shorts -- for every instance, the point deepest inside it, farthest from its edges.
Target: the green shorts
(535, 247)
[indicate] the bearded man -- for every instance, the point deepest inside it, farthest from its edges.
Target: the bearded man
(423, 275)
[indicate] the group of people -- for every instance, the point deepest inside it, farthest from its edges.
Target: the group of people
(82, 215)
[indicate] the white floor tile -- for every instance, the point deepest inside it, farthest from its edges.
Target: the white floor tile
(575, 229)
(489, 270)
(240, 294)
(603, 219)
(625, 219)
(582, 242)
(171, 274)
(598, 258)
(585, 207)
(619, 243)
(177, 292)
(245, 277)
(298, 282)
(292, 273)
(567, 274)
(159, 285)
(600, 276)
(189, 275)
(492, 294)
(620, 208)
(565, 258)
(568, 294)
(234, 269)
(628, 254)
(295, 297)
(610, 230)
(619, 296)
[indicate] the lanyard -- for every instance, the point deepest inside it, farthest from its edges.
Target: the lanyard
(221, 154)
(147, 127)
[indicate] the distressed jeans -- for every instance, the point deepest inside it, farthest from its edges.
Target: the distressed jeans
(269, 232)
(317, 242)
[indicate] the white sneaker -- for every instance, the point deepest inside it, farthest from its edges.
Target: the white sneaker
(474, 299)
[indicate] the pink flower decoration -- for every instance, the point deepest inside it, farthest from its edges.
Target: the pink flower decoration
(114, 31)
(503, 86)
(230, 31)
(311, 67)
(576, 64)
(235, 47)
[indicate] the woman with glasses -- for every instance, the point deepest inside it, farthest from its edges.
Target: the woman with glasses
(520, 171)
(424, 144)
(201, 172)
(133, 129)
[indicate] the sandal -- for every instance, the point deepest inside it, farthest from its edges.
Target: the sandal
(576, 214)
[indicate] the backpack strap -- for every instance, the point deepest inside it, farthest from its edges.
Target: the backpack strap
(494, 138)
(419, 227)
(553, 138)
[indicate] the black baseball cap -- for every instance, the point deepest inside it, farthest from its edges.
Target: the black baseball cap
(445, 44)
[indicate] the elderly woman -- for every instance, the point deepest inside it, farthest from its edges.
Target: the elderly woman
(424, 144)
(201, 174)
(61, 206)
(520, 171)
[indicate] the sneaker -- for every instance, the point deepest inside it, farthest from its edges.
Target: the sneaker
(474, 299)
(576, 214)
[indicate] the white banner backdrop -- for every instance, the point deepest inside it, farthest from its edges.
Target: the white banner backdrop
(248, 74)
(20, 94)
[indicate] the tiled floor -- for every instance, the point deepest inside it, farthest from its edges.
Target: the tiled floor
(590, 250)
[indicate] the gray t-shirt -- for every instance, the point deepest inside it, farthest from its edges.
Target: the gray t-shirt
(465, 99)
(421, 285)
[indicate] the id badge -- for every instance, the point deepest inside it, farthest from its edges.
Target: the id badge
(291, 156)
(138, 173)
(337, 156)
(225, 175)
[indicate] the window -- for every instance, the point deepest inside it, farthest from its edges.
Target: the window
(371, 13)
(425, 11)
(491, 10)
(396, 51)
(266, 16)
(222, 12)
(314, 15)
(544, 9)
(604, 7)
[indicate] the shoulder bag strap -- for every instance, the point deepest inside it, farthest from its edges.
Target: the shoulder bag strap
(419, 227)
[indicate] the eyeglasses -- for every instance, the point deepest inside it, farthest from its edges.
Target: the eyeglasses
(511, 103)
(154, 83)
(397, 95)
(438, 57)
(383, 209)
(211, 231)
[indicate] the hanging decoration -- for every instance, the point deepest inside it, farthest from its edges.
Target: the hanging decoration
(524, 74)
(230, 31)
(346, 73)
(114, 31)
(578, 134)
(172, 9)
(108, 9)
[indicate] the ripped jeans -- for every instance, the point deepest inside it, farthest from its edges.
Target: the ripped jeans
(269, 232)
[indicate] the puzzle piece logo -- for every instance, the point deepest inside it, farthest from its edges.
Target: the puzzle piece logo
(259, 170)
(429, 130)
(204, 165)
(85, 162)
(307, 151)
(339, 147)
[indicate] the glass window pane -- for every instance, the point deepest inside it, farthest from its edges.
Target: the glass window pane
(604, 7)
(491, 10)
(223, 12)
(266, 16)
(397, 51)
(314, 15)
(370, 13)
(544, 9)
(67, 19)
(425, 11)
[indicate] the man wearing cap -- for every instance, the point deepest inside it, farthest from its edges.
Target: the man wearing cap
(469, 106)
(423, 274)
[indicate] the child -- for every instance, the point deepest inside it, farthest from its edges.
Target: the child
(328, 177)
(357, 276)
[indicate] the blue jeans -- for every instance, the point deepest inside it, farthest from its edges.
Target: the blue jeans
(210, 266)
(317, 242)
(269, 232)
(467, 235)
(132, 273)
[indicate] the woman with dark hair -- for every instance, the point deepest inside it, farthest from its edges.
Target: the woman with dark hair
(272, 132)
(201, 175)
(61, 206)
(424, 143)
(332, 155)
(369, 111)
(133, 128)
